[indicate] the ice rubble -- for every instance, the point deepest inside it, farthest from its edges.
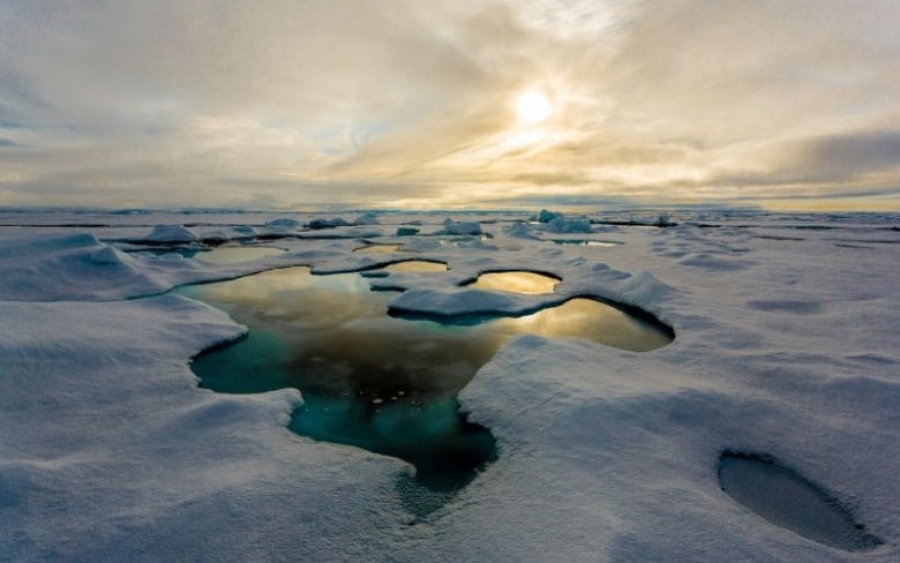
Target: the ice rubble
(171, 234)
(787, 347)
(556, 222)
(567, 225)
(521, 229)
(451, 227)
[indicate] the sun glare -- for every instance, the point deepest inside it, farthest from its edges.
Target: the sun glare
(533, 107)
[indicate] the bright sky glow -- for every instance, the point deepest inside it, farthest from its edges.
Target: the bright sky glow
(533, 107)
(299, 105)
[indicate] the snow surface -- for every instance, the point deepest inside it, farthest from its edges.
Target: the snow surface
(786, 344)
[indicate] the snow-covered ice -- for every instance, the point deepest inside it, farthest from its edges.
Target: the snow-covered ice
(786, 345)
(171, 233)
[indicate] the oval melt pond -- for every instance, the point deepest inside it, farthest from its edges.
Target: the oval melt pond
(785, 498)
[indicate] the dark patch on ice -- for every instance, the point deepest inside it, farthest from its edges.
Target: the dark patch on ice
(794, 306)
(334, 235)
(857, 246)
(214, 240)
(375, 274)
(659, 223)
(864, 241)
(275, 236)
(324, 223)
(789, 500)
(778, 237)
(586, 242)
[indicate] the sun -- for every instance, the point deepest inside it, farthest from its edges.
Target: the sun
(533, 107)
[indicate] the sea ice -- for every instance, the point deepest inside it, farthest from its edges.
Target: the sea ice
(786, 344)
(171, 234)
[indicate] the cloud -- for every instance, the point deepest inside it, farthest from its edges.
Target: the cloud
(404, 102)
(848, 156)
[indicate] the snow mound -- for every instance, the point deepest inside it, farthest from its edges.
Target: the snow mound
(545, 216)
(70, 267)
(452, 227)
(643, 289)
(171, 234)
(522, 230)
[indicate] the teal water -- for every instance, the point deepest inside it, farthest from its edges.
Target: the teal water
(385, 384)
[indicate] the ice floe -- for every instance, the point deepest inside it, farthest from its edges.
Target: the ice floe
(785, 344)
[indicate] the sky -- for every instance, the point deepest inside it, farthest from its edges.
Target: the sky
(293, 104)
